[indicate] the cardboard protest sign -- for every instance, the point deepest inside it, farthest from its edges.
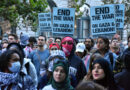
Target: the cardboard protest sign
(119, 14)
(103, 20)
(45, 21)
(63, 21)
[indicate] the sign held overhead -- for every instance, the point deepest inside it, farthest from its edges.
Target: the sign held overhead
(63, 21)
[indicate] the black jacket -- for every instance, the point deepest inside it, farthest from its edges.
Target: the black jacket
(77, 67)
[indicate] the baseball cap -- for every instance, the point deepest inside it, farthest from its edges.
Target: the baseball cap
(80, 47)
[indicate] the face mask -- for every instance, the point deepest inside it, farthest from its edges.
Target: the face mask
(67, 49)
(15, 68)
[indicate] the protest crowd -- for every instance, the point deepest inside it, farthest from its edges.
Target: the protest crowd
(29, 63)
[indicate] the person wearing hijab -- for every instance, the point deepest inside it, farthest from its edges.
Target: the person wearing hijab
(60, 78)
(102, 74)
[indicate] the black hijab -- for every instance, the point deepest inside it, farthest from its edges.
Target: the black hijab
(108, 80)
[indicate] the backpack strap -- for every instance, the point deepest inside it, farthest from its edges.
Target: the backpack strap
(111, 58)
(27, 67)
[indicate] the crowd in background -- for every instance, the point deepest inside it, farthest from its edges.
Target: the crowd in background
(27, 63)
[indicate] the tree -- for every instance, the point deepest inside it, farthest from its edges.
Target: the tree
(12, 10)
(77, 4)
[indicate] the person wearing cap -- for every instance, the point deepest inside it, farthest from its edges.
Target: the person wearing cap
(80, 50)
(77, 67)
(54, 46)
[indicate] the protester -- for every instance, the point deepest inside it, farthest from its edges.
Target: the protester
(93, 57)
(102, 74)
(30, 47)
(10, 76)
(89, 43)
(4, 44)
(60, 79)
(12, 38)
(115, 46)
(27, 67)
(24, 40)
(39, 56)
(54, 55)
(80, 50)
(50, 40)
(54, 46)
(123, 78)
(77, 67)
(58, 40)
(103, 49)
(119, 62)
(117, 36)
(89, 85)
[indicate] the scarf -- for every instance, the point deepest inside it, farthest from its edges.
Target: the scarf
(7, 78)
(64, 85)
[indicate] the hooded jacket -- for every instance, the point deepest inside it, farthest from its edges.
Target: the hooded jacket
(77, 67)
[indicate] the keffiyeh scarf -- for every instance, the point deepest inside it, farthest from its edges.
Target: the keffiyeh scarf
(7, 78)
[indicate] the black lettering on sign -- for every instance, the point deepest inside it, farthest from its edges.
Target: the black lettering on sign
(95, 25)
(42, 19)
(71, 26)
(47, 15)
(117, 24)
(119, 20)
(49, 25)
(48, 19)
(43, 24)
(103, 10)
(64, 25)
(62, 30)
(112, 24)
(104, 25)
(41, 15)
(117, 7)
(108, 16)
(55, 25)
(99, 30)
(63, 12)
(68, 18)
(57, 18)
(97, 17)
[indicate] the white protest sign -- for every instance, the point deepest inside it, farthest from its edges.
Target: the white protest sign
(119, 14)
(103, 20)
(44, 21)
(63, 21)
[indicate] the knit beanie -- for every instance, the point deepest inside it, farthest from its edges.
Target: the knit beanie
(24, 39)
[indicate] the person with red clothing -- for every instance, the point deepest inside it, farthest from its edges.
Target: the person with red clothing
(77, 67)
(54, 46)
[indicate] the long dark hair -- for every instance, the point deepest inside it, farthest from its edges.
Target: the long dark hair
(106, 41)
(5, 59)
